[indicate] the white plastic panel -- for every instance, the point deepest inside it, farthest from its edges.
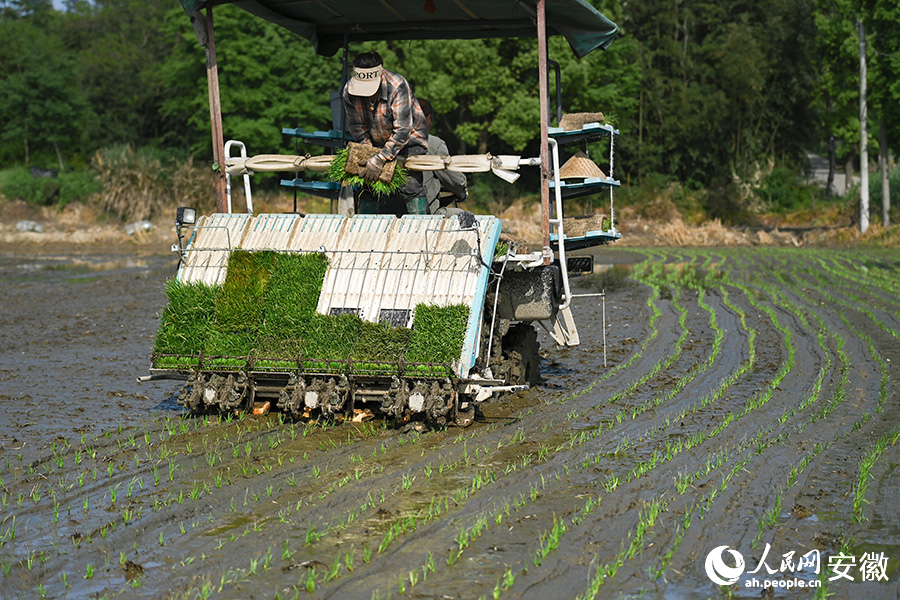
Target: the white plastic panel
(384, 263)
(213, 239)
(314, 232)
(270, 232)
(355, 261)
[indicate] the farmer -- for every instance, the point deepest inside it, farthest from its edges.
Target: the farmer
(382, 112)
(434, 181)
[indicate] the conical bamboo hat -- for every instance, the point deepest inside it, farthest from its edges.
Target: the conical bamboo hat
(580, 167)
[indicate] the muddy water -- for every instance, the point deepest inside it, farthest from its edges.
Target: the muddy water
(744, 399)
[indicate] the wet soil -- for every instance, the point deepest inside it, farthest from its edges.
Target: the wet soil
(749, 399)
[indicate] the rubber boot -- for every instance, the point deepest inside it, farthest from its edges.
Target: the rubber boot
(417, 206)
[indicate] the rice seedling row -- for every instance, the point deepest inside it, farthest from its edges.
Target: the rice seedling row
(749, 408)
(541, 552)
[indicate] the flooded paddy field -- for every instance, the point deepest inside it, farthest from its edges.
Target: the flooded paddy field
(742, 441)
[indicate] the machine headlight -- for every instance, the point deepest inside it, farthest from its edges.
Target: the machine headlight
(185, 216)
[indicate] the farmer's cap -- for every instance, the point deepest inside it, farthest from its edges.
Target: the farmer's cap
(365, 82)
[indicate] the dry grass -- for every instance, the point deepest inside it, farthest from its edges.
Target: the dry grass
(137, 185)
(523, 220)
(876, 236)
(713, 233)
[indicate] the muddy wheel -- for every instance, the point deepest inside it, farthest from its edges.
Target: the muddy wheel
(464, 418)
(191, 394)
(210, 393)
(519, 358)
(440, 404)
(520, 361)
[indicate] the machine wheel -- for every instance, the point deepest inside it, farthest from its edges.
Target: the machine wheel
(519, 360)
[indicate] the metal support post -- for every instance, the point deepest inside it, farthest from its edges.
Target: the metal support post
(215, 114)
(543, 80)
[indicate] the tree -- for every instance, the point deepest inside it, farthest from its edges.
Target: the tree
(43, 113)
(119, 45)
(38, 12)
(836, 97)
(269, 79)
(839, 86)
(484, 92)
(884, 39)
(724, 86)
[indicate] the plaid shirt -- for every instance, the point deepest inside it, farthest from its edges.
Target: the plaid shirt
(394, 122)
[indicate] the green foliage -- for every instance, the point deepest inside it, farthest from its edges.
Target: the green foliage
(119, 46)
(269, 78)
(724, 201)
(876, 192)
(484, 92)
(265, 310)
(782, 191)
(837, 85)
(437, 333)
(723, 87)
(43, 109)
(77, 186)
(187, 319)
(478, 88)
(19, 184)
(701, 94)
(337, 171)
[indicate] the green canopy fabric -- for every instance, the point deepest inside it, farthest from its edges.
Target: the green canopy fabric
(326, 23)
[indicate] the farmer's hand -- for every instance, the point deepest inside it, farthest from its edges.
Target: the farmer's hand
(373, 168)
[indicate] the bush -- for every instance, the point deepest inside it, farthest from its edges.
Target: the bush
(78, 186)
(19, 184)
(782, 191)
(488, 194)
(875, 192)
(725, 202)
